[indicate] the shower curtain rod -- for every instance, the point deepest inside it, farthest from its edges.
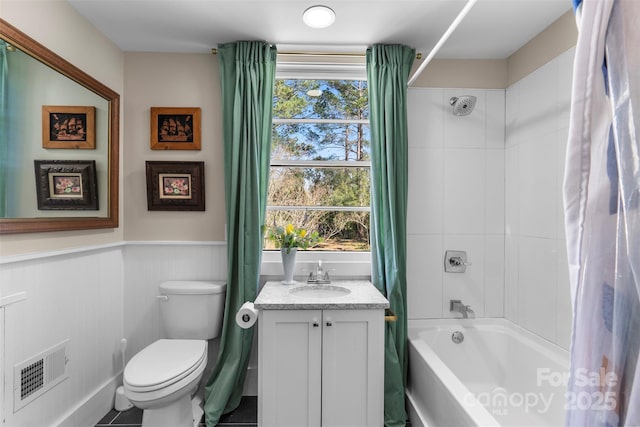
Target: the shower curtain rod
(467, 7)
(214, 51)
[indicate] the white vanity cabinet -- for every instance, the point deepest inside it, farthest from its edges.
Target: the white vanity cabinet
(321, 368)
(321, 360)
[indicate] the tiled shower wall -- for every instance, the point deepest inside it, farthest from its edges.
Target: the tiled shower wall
(456, 201)
(491, 184)
(537, 125)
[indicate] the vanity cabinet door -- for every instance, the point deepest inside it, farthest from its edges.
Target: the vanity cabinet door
(290, 368)
(352, 368)
(321, 368)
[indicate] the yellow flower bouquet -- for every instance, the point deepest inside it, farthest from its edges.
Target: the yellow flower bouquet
(291, 237)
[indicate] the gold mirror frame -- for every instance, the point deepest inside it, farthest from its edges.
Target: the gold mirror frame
(20, 40)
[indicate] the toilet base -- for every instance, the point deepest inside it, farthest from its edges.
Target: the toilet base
(177, 414)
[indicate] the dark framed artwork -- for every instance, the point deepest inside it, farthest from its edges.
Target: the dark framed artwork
(175, 128)
(68, 127)
(175, 186)
(66, 184)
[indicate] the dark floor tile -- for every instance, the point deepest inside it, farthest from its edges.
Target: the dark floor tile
(245, 416)
(106, 420)
(128, 417)
(246, 413)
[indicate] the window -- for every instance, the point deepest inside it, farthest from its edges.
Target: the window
(320, 163)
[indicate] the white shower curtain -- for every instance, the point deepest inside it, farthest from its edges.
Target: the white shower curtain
(602, 216)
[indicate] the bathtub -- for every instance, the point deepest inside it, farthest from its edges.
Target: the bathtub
(499, 375)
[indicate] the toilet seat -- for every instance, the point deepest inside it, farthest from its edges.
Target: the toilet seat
(163, 363)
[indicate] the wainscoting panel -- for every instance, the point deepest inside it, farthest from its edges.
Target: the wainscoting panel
(75, 296)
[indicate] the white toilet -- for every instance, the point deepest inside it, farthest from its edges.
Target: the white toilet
(163, 377)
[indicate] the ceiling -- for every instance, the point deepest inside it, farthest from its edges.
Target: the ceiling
(493, 29)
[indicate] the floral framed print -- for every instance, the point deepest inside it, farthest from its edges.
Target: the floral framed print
(175, 128)
(175, 186)
(66, 184)
(68, 127)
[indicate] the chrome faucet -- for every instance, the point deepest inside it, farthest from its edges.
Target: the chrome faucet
(455, 305)
(320, 276)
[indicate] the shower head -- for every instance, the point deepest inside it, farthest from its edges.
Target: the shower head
(463, 105)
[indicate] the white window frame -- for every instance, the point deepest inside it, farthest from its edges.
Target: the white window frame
(341, 264)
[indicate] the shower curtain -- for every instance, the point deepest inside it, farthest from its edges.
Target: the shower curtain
(247, 75)
(602, 216)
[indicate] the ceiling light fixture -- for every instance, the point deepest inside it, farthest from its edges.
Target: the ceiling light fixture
(319, 16)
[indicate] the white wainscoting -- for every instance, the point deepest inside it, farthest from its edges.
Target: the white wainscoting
(75, 295)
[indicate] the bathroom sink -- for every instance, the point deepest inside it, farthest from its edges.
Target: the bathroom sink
(320, 291)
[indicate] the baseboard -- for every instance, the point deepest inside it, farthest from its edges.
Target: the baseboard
(93, 408)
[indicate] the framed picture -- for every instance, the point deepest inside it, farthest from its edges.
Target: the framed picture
(175, 186)
(66, 184)
(175, 128)
(68, 127)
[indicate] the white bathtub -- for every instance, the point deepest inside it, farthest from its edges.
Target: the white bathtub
(500, 375)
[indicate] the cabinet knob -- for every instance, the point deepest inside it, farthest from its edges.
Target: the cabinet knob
(329, 323)
(316, 323)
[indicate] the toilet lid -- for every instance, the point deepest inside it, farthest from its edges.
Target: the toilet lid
(164, 362)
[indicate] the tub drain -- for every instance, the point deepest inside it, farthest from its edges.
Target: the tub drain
(457, 337)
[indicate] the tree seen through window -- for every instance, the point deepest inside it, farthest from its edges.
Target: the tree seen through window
(320, 161)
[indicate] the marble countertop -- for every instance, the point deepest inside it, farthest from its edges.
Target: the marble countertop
(363, 296)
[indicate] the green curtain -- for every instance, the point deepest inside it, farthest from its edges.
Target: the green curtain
(247, 75)
(4, 140)
(388, 69)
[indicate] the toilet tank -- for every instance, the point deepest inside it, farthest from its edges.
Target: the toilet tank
(192, 309)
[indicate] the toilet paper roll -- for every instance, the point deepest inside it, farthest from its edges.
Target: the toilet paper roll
(247, 315)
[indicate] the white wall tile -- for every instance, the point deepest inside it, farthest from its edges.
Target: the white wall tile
(494, 191)
(425, 111)
(495, 118)
(512, 190)
(538, 100)
(425, 192)
(537, 291)
(561, 147)
(511, 277)
(563, 295)
(494, 274)
(464, 191)
(424, 276)
(513, 129)
(537, 187)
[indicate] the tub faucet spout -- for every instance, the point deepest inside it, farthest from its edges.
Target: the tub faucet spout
(455, 305)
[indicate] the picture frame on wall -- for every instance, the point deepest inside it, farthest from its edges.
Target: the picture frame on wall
(175, 128)
(68, 127)
(66, 184)
(175, 186)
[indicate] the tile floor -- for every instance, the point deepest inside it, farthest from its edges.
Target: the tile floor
(245, 416)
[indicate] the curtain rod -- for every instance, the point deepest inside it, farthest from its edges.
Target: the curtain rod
(214, 51)
(467, 7)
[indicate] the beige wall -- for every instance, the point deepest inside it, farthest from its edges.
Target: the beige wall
(84, 46)
(463, 73)
(172, 80)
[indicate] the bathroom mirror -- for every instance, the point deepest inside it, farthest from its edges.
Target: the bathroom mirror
(45, 91)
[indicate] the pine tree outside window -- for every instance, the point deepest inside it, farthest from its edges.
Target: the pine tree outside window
(320, 161)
